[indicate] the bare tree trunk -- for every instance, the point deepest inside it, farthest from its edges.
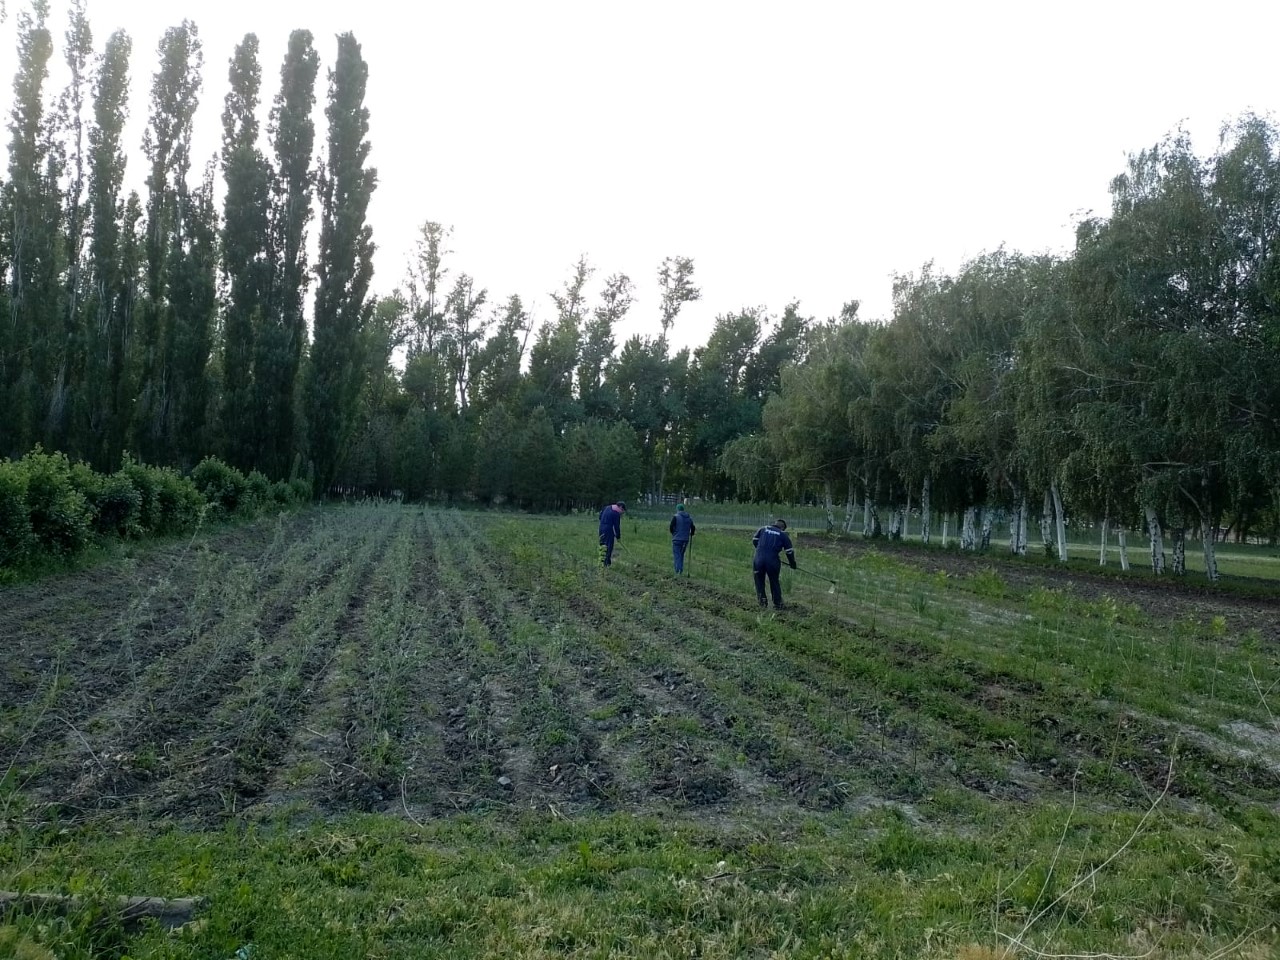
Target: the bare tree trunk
(906, 517)
(826, 504)
(925, 517)
(871, 522)
(969, 529)
(1046, 524)
(1122, 535)
(1022, 527)
(895, 523)
(1179, 551)
(1060, 522)
(988, 515)
(848, 506)
(1210, 552)
(1157, 539)
(946, 523)
(1106, 532)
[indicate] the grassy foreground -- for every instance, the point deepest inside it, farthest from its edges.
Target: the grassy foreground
(313, 723)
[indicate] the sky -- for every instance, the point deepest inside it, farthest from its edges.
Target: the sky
(798, 151)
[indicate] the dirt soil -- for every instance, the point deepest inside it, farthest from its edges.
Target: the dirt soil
(402, 661)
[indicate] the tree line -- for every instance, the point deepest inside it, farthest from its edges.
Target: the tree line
(1128, 384)
(167, 326)
(1131, 384)
(159, 324)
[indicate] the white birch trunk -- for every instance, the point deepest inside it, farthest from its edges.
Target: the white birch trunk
(895, 524)
(871, 526)
(906, 517)
(946, 523)
(1022, 527)
(1106, 532)
(1060, 522)
(1122, 535)
(925, 517)
(1157, 539)
(826, 504)
(1046, 523)
(1013, 531)
(848, 507)
(866, 514)
(988, 515)
(969, 529)
(1179, 551)
(1211, 553)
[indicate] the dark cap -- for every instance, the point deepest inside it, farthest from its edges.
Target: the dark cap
(622, 504)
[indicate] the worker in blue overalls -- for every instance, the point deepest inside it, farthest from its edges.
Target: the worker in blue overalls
(682, 531)
(610, 530)
(769, 542)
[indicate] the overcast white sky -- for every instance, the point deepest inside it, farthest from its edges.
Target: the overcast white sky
(796, 150)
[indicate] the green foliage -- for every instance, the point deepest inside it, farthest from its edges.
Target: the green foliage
(179, 505)
(51, 508)
(258, 491)
(60, 515)
(282, 493)
(16, 537)
(115, 502)
(170, 502)
(16, 945)
(223, 487)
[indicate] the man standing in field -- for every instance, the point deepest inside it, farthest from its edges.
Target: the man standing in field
(769, 542)
(610, 530)
(682, 531)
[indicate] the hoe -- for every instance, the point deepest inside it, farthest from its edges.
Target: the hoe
(831, 589)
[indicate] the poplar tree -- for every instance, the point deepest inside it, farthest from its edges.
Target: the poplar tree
(280, 339)
(246, 263)
(345, 266)
(174, 97)
(111, 286)
(31, 241)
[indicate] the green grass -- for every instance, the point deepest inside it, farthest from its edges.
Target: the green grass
(871, 884)
(918, 765)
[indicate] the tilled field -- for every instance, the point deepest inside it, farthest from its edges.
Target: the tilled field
(428, 662)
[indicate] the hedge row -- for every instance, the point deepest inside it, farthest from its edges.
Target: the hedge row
(50, 507)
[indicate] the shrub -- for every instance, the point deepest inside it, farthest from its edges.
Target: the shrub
(170, 503)
(60, 515)
(301, 489)
(259, 489)
(282, 493)
(179, 504)
(116, 503)
(223, 487)
(16, 538)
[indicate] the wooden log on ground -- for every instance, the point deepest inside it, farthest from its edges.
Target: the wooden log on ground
(132, 912)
